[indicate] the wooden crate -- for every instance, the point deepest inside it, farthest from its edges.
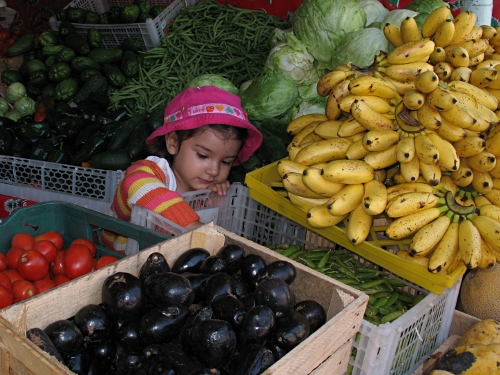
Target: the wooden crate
(326, 351)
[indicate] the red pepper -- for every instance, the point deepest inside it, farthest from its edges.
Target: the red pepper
(4, 34)
(9, 41)
(40, 113)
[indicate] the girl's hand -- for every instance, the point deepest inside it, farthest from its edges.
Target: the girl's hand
(220, 188)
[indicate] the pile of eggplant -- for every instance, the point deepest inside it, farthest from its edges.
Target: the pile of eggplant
(228, 313)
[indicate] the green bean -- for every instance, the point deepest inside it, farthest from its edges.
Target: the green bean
(291, 250)
(392, 299)
(391, 316)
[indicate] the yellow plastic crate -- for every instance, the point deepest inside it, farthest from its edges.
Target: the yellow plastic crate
(377, 249)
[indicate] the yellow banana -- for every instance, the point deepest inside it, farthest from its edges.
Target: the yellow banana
(451, 132)
(320, 217)
(359, 225)
(405, 150)
(493, 144)
(482, 96)
(489, 229)
(407, 187)
(371, 85)
(381, 175)
(382, 159)
(431, 173)
(429, 117)
(292, 151)
(405, 72)
(482, 182)
(293, 183)
(327, 82)
(401, 86)
(356, 151)
(427, 82)
(349, 127)
(374, 197)
(378, 104)
(494, 196)
(301, 122)
(475, 34)
(425, 150)
(474, 61)
(308, 129)
(446, 250)
(439, 55)
(469, 243)
(413, 99)
(488, 256)
(444, 70)
(459, 115)
(490, 63)
(346, 200)
(332, 109)
(315, 181)
(483, 77)
(469, 146)
(406, 226)
(496, 94)
(423, 261)
(393, 34)
(481, 200)
(482, 162)
(323, 151)
(379, 140)
(495, 85)
(356, 137)
(447, 184)
(427, 237)
(458, 57)
(409, 203)
(305, 203)
(464, 23)
(463, 175)
(349, 171)
(410, 31)
(411, 170)
(370, 118)
(448, 157)
(434, 19)
(495, 172)
(341, 89)
(472, 46)
(441, 99)
(310, 138)
(411, 51)
(328, 129)
(444, 33)
(461, 74)
(490, 210)
(488, 31)
(285, 166)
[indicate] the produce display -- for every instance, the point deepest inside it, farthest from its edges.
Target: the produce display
(410, 139)
(204, 313)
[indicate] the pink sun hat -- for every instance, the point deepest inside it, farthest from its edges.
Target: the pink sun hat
(199, 106)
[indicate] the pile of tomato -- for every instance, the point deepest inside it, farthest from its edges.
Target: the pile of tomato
(8, 37)
(35, 264)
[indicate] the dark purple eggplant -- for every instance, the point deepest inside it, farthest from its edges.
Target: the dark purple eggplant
(129, 362)
(94, 323)
(233, 256)
(123, 296)
(213, 342)
(197, 281)
(228, 307)
(254, 359)
(161, 366)
(213, 264)
(79, 362)
(250, 268)
(216, 285)
(102, 351)
(277, 295)
(291, 330)
(169, 289)
(257, 327)
(204, 313)
(279, 269)
(40, 338)
(159, 326)
(314, 312)
(156, 263)
(278, 351)
(243, 290)
(184, 364)
(65, 336)
(190, 260)
(129, 336)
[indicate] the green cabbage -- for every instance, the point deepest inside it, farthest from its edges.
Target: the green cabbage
(4, 105)
(15, 91)
(213, 80)
(426, 6)
(25, 106)
(14, 115)
(396, 16)
(322, 24)
(271, 94)
(307, 102)
(360, 47)
(375, 11)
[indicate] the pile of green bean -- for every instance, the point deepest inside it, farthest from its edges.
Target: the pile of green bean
(389, 298)
(207, 38)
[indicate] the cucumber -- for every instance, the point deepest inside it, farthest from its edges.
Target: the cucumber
(122, 134)
(105, 55)
(119, 159)
(24, 44)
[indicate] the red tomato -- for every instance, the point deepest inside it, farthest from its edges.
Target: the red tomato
(12, 257)
(5, 281)
(105, 260)
(61, 279)
(77, 261)
(57, 265)
(33, 265)
(44, 285)
(13, 275)
(23, 240)
(84, 241)
(22, 289)
(6, 297)
(47, 248)
(55, 237)
(3, 262)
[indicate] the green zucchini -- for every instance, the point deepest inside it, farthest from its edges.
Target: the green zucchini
(94, 83)
(105, 55)
(112, 160)
(24, 44)
(122, 134)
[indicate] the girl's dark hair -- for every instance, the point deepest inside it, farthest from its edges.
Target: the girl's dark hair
(159, 148)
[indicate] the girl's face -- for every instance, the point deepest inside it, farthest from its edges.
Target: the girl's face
(202, 160)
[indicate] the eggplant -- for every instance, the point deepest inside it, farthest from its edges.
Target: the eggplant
(277, 295)
(229, 308)
(314, 312)
(102, 351)
(190, 260)
(251, 266)
(279, 269)
(242, 290)
(197, 281)
(159, 326)
(162, 366)
(204, 313)
(65, 336)
(213, 342)
(40, 338)
(94, 323)
(123, 296)
(278, 351)
(257, 327)
(213, 264)
(156, 263)
(254, 359)
(291, 330)
(184, 364)
(216, 285)
(233, 255)
(79, 362)
(169, 289)
(129, 362)
(129, 336)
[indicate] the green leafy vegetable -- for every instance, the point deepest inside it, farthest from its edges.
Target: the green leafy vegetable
(25, 106)
(375, 11)
(15, 91)
(214, 80)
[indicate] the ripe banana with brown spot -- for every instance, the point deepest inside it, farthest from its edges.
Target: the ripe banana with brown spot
(323, 151)
(493, 144)
(301, 122)
(483, 77)
(359, 225)
(405, 72)
(475, 34)
(495, 172)
(401, 86)
(494, 196)
(488, 256)
(285, 166)
(380, 139)
(448, 157)
(437, 56)
(451, 132)
(350, 126)
(427, 237)
(482, 162)
(423, 261)
(328, 129)
(490, 210)
(293, 183)
(463, 175)
(332, 109)
(411, 51)
(441, 99)
(349, 171)
(305, 203)
(408, 187)
(378, 104)
(482, 182)
(444, 33)
(481, 200)
(431, 173)
(469, 146)
(369, 117)
(409, 203)
(482, 96)
(425, 150)
(469, 243)
(410, 32)
(406, 226)
(320, 217)
(488, 31)
(444, 70)
(356, 151)
(461, 74)
(327, 81)
(427, 82)
(308, 129)
(459, 115)
(382, 159)
(446, 250)
(371, 85)
(458, 57)
(474, 61)
(413, 100)
(464, 23)
(429, 117)
(410, 171)
(346, 200)
(315, 181)
(393, 34)
(433, 20)
(405, 150)
(472, 46)
(374, 198)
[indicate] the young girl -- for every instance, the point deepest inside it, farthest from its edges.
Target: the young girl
(205, 133)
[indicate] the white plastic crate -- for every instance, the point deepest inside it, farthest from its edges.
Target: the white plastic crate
(42, 181)
(150, 32)
(7, 16)
(395, 348)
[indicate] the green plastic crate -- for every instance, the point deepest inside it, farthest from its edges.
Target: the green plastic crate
(73, 222)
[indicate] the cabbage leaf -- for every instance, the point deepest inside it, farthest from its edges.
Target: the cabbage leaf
(375, 11)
